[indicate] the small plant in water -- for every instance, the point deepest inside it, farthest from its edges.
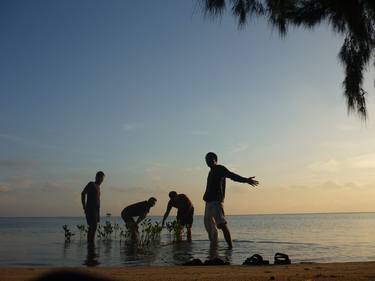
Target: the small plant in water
(150, 233)
(99, 232)
(108, 229)
(176, 229)
(116, 228)
(124, 234)
(82, 230)
(105, 231)
(68, 234)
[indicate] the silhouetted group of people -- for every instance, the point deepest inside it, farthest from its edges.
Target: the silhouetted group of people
(214, 216)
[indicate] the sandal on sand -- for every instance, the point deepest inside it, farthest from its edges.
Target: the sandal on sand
(193, 262)
(255, 260)
(281, 258)
(198, 262)
(216, 261)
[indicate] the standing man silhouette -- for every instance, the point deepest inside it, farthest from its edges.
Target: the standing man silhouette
(214, 197)
(91, 206)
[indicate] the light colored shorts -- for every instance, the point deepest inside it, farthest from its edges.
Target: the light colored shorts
(215, 210)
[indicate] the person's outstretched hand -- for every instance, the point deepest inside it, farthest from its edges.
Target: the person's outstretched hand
(252, 181)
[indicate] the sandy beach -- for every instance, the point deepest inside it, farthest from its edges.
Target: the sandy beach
(294, 272)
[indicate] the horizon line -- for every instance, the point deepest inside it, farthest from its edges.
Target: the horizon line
(233, 215)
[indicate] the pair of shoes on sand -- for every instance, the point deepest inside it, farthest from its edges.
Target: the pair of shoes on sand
(256, 259)
(198, 262)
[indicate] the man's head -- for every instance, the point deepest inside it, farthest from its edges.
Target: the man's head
(152, 201)
(211, 159)
(99, 178)
(172, 195)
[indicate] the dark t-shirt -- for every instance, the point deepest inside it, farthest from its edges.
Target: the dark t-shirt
(92, 191)
(181, 202)
(215, 189)
(136, 210)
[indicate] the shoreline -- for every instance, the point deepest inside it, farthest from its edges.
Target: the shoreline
(294, 272)
(200, 215)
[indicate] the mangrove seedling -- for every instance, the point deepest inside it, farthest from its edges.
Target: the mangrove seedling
(176, 229)
(67, 233)
(82, 230)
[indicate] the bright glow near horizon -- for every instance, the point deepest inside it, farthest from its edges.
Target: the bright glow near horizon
(143, 90)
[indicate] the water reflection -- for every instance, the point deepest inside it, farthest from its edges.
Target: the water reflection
(92, 255)
(107, 247)
(222, 253)
(132, 253)
(66, 245)
(65, 249)
(182, 252)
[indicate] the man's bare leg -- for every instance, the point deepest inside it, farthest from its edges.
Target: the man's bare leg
(188, 230)
(227, 235)
(134, 232)
(91, 233)
(210, 226)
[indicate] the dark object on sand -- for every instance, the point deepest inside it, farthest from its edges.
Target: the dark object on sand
(281, 258)
(216, 261)
(69, 276)
(255, 260)
(193, 262)
(198, 262)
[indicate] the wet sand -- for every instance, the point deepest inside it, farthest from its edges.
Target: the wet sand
(295, 272)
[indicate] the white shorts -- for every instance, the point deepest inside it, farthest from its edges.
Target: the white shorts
(215, 210)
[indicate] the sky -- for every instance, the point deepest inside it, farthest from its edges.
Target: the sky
(144, 89)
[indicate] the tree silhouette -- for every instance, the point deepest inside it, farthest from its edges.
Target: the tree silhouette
(354, 19)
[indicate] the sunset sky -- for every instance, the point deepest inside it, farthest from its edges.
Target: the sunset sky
(144, 89)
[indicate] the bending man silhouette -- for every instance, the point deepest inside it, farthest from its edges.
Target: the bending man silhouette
(214, 197)
(140, 210)
(91, 206)
(185, 211)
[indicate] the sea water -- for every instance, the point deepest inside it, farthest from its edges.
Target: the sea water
(304, 237)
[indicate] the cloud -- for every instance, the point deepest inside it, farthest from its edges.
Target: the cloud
(17, 164)
(198, 133)
(193, 169)
(330, 165)
(16, 184)
(364, 161)
(4, 188)
(30, 142)
(239, 147)
(21, 183)
(335, 185)
(326, 185)
(12, 138)
(138, 189)
(348, 127)
(132, 126)
(155, 170)
(53, 186)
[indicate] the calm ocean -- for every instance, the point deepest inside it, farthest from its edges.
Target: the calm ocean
(304, 237)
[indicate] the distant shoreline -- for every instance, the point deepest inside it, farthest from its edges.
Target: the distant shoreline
(294, 272)
(201, 215)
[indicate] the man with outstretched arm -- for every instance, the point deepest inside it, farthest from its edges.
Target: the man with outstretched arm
(91, 206)
(185, 211)
(214, 197)
(140, 210)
